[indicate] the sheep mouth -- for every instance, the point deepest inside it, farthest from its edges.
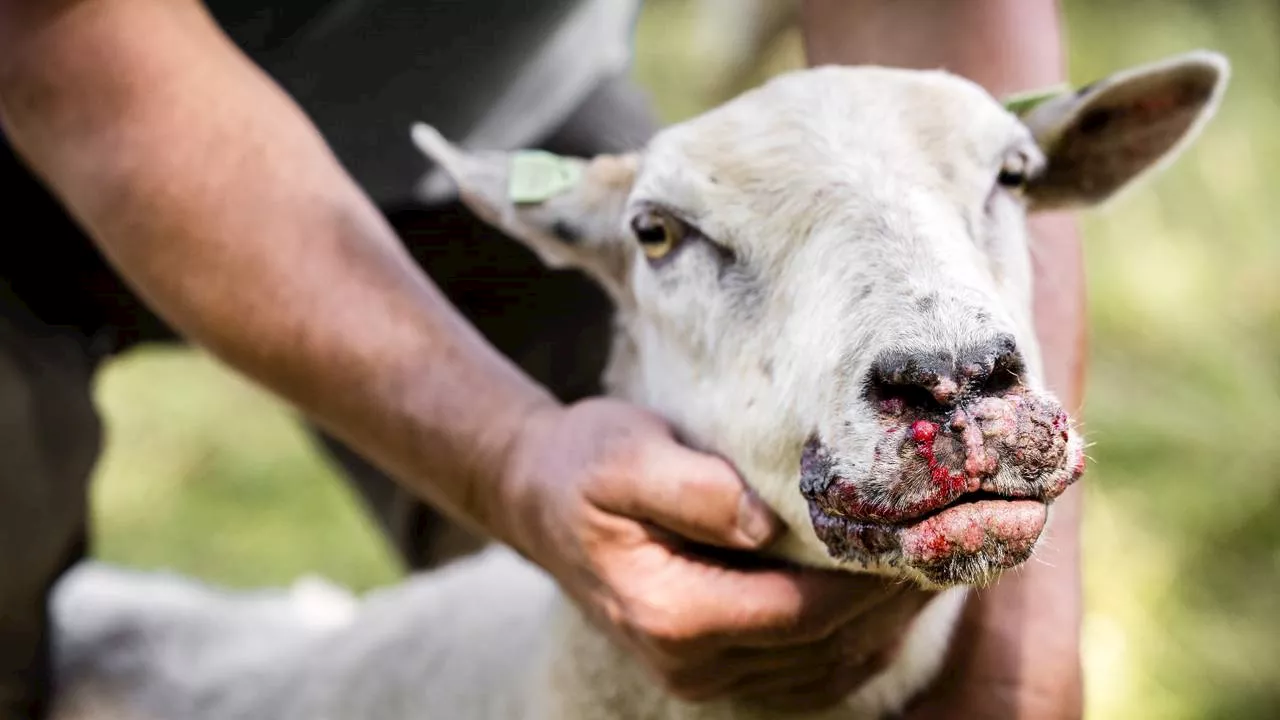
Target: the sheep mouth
(989, 534)
(968, 541)
(981, 496)
(957, 496)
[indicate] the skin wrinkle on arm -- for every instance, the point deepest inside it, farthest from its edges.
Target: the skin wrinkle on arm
(1024, 634)
(269, 255)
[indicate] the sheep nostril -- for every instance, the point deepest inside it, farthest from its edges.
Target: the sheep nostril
(924, 381)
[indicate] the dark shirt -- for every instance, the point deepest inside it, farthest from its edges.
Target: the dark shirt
(366, 70)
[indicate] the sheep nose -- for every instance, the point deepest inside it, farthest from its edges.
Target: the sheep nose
(924, 380)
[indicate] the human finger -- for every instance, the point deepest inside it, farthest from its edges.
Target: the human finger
(692, 494)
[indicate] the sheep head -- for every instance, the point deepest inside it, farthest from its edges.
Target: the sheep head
(827, 280)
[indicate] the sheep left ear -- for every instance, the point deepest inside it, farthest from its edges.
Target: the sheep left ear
(567, 210)
(1103, 137)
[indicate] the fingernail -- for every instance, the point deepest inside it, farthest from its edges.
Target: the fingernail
(756, 521)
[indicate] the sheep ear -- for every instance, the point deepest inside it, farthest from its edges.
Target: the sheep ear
(567, 210)
(1102, 137)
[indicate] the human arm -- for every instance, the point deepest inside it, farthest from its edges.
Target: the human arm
(213, 195)
(1018, 650)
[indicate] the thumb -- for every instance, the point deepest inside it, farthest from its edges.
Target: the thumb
(695, 495)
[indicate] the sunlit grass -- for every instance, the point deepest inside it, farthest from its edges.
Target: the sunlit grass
(205, 475)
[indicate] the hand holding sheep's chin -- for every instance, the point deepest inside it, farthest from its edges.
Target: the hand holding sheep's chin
(602, 496)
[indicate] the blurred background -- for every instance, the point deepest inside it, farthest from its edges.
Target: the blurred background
(206, 475)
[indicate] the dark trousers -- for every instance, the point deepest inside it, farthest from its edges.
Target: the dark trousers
(63, 311)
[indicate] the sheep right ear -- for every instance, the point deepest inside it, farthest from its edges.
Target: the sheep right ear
(567, 210)
(1101, 138)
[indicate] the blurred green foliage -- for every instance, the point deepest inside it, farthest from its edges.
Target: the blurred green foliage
(206, 475)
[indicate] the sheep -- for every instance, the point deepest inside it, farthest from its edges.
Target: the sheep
(825, 280)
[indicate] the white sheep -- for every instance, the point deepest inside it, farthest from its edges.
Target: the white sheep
(827, 281)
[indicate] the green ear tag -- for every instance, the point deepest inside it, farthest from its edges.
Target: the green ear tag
(1024, 102)
(537, 176)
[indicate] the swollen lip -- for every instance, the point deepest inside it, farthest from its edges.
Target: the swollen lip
(1012, 526)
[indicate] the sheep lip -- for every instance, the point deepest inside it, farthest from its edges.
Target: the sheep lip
(962, 536)
(923, 512)
(981, 500)
(966, 541)
(964, 498)
(1001, 532)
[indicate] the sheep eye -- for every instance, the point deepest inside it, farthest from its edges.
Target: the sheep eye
(1015, 171)
(657, 234)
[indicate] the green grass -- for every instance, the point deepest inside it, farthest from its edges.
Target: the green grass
(206, 475)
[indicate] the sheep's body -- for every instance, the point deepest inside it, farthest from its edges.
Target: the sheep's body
(464, 642)
(846, 315)
(486, 638)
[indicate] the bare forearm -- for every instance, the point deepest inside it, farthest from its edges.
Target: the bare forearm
(1025, 630)
(217, 199)
(1004, 45)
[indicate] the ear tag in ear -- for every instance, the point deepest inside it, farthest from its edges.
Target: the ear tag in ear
(537, 176)
(1024, 102)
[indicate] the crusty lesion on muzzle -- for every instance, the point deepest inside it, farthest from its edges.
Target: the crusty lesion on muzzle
(967, 459)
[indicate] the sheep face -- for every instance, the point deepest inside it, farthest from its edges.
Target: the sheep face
(827, 280)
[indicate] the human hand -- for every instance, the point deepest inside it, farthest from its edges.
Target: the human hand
(641, 532)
